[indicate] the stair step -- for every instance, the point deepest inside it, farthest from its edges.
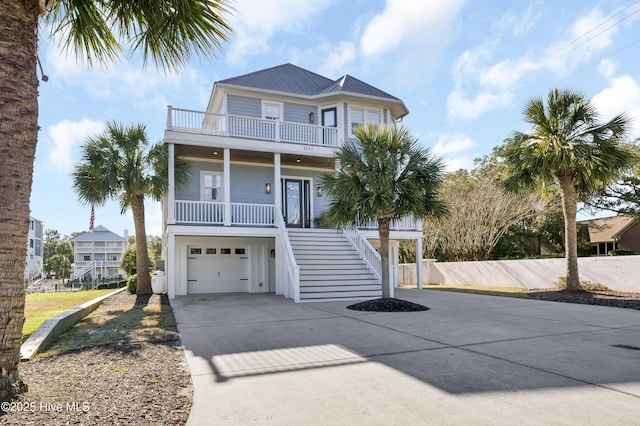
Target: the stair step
(331, 275)
(339, 288)
(340, 281)
(341, 295)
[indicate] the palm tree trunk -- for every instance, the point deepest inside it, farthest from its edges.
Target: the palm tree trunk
(18, 137)
(142, 255)
(383, 232)
(569, 206)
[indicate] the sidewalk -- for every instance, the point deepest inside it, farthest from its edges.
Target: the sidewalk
(482, 359)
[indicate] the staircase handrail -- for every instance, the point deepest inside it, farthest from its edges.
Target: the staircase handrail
(293, 270)
(365, 250)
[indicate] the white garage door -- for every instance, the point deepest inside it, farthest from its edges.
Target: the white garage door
(215, 269)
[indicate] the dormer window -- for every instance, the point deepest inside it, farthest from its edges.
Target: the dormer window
(271, 110)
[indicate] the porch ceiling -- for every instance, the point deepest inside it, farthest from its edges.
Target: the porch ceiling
(238, 155)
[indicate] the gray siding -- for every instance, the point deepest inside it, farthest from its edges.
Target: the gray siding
(299, 113)
(244, 106)
(191, 189)
(248, 183)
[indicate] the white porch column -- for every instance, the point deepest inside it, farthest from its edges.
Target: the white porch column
(171, 193)
(170, 266)
(419, 262)
(276, 183)
(226, 182)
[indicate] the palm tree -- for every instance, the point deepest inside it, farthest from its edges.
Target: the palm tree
(116, 165)
(567, 144)
(167, 32)
(383, 175)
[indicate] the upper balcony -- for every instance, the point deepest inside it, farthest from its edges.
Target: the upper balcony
(235, 126)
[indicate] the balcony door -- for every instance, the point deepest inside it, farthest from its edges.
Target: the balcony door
(296, 203)
(329, 119)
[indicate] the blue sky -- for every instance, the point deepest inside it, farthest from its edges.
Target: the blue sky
(463, 68)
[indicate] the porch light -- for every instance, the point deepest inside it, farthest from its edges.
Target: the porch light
(319, 191)
(312, 117)
(298, 160)
(267, 188)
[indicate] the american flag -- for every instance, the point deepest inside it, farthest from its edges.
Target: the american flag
(93, 217)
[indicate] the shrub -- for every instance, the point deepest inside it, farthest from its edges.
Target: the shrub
(112, 284)
(620, 253)
(585, 285)
(132, 284)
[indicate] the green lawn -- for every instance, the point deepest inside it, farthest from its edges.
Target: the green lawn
(42, 306)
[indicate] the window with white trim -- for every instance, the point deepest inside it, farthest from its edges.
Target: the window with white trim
(210, 186)
(362, 117)
(271, 110)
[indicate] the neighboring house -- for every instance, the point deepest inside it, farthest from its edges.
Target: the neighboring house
(612, 233)
(33, 267)
(98, 254)
(250, 217)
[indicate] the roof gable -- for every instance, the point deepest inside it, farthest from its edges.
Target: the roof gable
(285, 78)
(100, 233)
(607, 229)
(291, 79)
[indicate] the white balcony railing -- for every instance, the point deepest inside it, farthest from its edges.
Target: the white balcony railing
(406, 223)
(212, 213)
(190, 121)
(252, 214)
(199, 212)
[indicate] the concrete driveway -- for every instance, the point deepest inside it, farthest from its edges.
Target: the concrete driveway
(470, 359)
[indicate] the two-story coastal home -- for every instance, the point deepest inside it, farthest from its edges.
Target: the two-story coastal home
(33, 262)
(97, 255)
(250, 217)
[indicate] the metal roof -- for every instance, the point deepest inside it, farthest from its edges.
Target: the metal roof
(100, 233)
(289, 78)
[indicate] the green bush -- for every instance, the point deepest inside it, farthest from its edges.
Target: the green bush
(112, 284)
(132, 284)
(620, 253)
(584, 285)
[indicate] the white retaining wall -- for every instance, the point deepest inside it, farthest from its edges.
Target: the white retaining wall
(621, 273)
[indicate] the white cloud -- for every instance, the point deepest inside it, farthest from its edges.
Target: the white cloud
(256, 21)
(518, 25)
(66, 135)
(607, 68)
(622, 95)
(331, 60)
(452, 142)
(403, 21)
(588, 37)
(459, 106)
(457, 163)
(126, 79)
(506, 74)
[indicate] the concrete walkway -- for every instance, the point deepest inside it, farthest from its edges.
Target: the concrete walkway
(471, 359)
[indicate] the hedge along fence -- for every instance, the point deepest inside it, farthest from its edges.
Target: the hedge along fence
(619, 273)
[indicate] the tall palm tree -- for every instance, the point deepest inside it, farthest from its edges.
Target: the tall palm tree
(167, 32)
(568, 144)
(117, 165)
(383, 175)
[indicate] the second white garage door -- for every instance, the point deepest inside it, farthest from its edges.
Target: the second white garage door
(213, 269)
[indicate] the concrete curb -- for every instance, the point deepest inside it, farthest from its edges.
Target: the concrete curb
(52, 328)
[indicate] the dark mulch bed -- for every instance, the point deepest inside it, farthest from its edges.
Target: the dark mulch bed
(135, 376)
(389, 304)
(602, 298)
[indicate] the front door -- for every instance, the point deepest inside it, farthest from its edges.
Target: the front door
(296, 203)
(329, 119)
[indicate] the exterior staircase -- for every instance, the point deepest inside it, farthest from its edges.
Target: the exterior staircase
(330, 268)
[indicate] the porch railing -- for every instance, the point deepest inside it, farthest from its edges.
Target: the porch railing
(252, 214)
(366, 251)
(287, 262)
(199, 212)
(406, 223)
(191, 121)
(212, 213)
